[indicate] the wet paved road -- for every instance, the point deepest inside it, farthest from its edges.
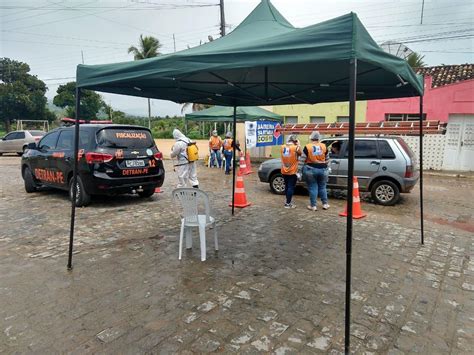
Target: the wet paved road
(276, 285)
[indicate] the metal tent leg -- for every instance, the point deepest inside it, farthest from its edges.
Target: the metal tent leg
(421, 172)
(74, 179)
(350, 176)
(234, 160)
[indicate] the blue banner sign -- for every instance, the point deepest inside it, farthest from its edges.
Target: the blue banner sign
(266, 134)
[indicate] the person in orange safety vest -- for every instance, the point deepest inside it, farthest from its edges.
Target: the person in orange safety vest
(289, 167)
(228, 150)
(215, 145)
(315, 171)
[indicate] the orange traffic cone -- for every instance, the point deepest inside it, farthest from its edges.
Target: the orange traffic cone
(242, 165)
(158, 190)
(240, 198)
(356, 207)
(248, 163)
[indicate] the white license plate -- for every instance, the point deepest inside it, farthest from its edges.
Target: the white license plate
(134, 163)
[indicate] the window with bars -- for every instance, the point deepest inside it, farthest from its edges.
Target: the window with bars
(317, 119)
(403, 117)
(342, 119)
(291, 119)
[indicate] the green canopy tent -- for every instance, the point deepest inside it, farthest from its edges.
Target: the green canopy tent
(267, 61)
(226, 114)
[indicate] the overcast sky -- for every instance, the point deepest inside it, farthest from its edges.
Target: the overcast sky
(50, 35)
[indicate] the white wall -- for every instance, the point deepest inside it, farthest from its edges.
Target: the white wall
(433, 150)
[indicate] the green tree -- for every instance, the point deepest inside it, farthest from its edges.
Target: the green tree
(148, 47)
(91, 102)
(22, 95)
(415, 60)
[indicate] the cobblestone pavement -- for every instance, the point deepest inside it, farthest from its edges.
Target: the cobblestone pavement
(275, 286)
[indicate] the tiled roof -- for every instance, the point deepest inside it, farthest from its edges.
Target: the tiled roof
(448, 74)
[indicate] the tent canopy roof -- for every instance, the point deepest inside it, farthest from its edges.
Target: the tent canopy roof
(264, 61)
(226, 114)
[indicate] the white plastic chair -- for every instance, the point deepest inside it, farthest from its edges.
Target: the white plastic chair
(190, 199)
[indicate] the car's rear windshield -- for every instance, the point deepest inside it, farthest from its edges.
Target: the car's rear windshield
(37, 133)
(124, 138)
(407, 149)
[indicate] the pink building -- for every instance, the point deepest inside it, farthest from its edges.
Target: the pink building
(449, 90)
(449, 97)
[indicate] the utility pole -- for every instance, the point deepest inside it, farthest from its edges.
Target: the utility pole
(111, 112)
(149, 114)
(174, 42)
(422, 9)
(82, 55)
(221, 5)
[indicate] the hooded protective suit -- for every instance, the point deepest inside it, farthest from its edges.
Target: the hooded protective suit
(186, 170)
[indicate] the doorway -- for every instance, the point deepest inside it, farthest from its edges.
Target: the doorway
(459, 151)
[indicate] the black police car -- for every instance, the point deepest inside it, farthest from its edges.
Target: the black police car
(113, 159)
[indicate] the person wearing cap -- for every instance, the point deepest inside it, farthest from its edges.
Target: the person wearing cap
(289, 167)
(228, 150)
(315, 171)
(215, 145)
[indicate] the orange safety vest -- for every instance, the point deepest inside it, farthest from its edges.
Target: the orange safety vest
(228, 144)
(215, 143)
(289, 159)
(316, 153)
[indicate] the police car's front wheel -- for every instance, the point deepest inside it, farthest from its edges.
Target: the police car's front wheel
(82, 197)
(30, 184)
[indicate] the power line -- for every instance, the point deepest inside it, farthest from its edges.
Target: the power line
(403, 39)
(110, 20)
(73, 56)
(72, 8)
(36, 15)
(92, 40)
(62, 20)
(444, 24)
(20, 12)
(447, 52)
(440, 38)
(397, 6)
(56, 44)
(65, 37)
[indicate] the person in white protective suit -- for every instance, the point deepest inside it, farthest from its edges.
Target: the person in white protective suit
(186, 170)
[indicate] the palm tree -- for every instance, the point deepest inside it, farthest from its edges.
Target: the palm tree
(148, 47)
(415, 60)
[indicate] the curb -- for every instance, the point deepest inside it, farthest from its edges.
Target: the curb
(450, 175)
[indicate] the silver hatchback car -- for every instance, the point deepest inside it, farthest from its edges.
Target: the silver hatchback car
(384, 166)
(17, 141)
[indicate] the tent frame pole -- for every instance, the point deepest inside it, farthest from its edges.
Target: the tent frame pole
(266, 83)
(234, 133)
(350, 178)
(421, 172)
(74, 178)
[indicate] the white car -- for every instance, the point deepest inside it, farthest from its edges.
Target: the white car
(17, 141)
